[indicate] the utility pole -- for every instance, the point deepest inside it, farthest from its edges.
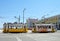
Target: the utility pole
(23, 16)
(19, 19)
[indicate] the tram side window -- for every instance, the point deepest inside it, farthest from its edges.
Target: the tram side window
(38, 27)
(45, 27)
(34, 26)
(4, 26)
(16, 27)
(11, 27)
(24, 26)
(49, 26)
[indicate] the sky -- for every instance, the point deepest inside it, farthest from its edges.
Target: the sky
(34, 9)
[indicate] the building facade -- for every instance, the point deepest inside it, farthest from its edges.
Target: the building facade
(51, 20)
(30, 22)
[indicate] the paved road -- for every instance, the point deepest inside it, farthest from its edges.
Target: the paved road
(30, 36)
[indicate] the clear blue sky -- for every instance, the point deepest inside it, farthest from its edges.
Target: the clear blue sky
(34, 9)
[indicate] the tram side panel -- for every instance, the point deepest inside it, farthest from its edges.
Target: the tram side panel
(9, 29)
(49, 28)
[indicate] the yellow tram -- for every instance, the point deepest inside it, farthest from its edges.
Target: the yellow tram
(14, 29)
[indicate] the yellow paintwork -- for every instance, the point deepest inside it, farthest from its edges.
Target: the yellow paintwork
(17, 30)
(21, 30)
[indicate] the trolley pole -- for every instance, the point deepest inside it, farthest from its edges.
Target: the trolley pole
(18, 18)
(43, 17)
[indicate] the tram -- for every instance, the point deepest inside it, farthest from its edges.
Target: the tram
(44, 28)
(14, 28)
